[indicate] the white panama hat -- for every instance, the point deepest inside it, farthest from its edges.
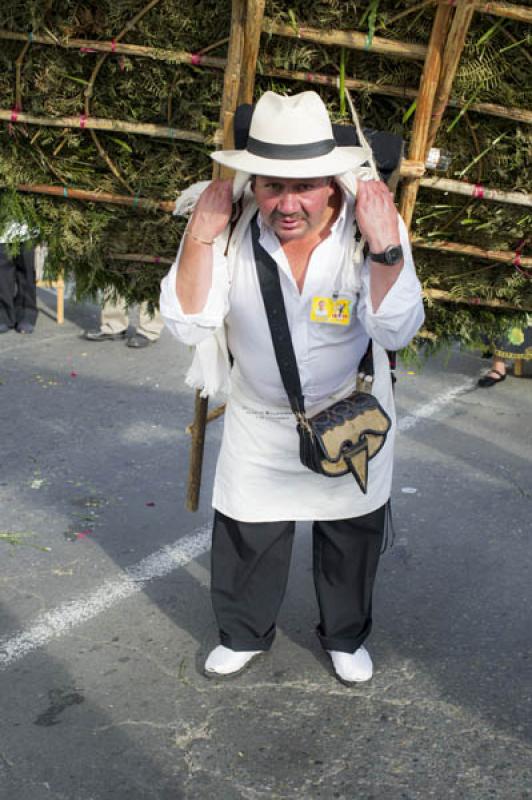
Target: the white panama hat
(292, 137)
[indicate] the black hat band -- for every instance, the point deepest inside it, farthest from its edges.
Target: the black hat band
(290, 151)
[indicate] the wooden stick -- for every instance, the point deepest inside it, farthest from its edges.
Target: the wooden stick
(386, 89)
(352, 39)
(254, 17)
(18, 75)
(97, 197)
(507, 10)
(476, 191)
(197, 446)
(448, 297)
(494, 110)
(198, 60)
(139, 258)
(411, 169)
(427, 88)
(453, 51)
(227, 110)
(211, 416)
(88, 46)
(457, 248)
(89, 89)
(102, 124)
(408, 169)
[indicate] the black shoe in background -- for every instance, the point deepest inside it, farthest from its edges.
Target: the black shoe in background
(138, 340)
(101, 336)
(24, 327)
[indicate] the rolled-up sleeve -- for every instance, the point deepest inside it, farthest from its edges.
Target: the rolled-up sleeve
(194, 328)
(400, 314)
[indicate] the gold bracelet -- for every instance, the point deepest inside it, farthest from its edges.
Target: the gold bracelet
(198, 238)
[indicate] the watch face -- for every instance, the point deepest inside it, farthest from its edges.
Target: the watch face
(393, 254)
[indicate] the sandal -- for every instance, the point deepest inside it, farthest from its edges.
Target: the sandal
(489, 380)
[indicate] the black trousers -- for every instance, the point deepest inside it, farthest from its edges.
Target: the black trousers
(249, 572)
(18, 294)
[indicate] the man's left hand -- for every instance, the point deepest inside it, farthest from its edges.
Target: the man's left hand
(376, 215)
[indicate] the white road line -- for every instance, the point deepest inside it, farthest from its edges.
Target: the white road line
(67, 616)
(55, 623)
(423, 412)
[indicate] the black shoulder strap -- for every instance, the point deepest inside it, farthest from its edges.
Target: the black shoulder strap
(272, 295)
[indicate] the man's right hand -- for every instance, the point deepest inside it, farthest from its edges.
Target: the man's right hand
(213, 210)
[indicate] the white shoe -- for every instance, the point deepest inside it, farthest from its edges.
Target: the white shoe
(223, 662)
(354, 667)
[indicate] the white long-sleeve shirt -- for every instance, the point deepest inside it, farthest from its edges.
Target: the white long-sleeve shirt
(259, 475)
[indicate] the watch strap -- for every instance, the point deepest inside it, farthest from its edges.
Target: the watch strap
(381, 258)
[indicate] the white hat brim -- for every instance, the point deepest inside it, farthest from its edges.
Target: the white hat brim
(339, 160)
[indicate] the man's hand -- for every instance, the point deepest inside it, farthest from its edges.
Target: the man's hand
(213, 210)
(376, 215)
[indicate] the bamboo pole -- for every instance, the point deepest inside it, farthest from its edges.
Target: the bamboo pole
(506, 10)
(407, 169)
(457, 248)
(351, 39)
(18, 75)
(102, 124)
(476, 191)
(88, 46)
(254, 17)
(429, 82)
(494, 110)
(140, 258)
(386, 89)
(451, 57)
(227, 110)
(199, 60)
(98, 197)
(449, 297)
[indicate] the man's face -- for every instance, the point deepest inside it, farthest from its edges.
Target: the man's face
(295, 207)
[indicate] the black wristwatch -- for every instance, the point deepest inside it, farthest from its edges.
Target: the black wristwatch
(392, 255)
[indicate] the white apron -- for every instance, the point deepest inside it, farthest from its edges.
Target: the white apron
(259, 477)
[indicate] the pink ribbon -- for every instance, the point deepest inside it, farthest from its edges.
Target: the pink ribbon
(195, 59)
(478, 191)
(14, 114)
(113, 45)
(83, 120)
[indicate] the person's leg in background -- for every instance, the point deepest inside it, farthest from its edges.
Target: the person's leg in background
(26, 294)
(114, 322)
(346, 556)
(496, 373)
(250, 562)
(7, 290)
(149, 328)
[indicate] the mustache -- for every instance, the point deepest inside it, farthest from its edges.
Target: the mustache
(277, 215)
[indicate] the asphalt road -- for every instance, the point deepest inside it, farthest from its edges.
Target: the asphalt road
(105, 616)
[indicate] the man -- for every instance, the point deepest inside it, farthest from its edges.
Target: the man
(18, 292)
(114, 323)
(306, 219)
